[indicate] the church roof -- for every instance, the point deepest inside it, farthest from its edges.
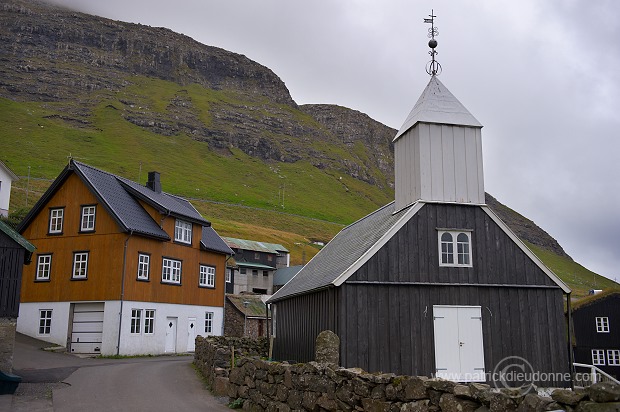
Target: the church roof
(438, 105)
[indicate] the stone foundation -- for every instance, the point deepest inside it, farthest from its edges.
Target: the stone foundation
(7, 343)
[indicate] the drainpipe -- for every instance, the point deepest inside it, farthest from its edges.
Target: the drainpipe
(224, 305)
(120, 314)
(571, 359)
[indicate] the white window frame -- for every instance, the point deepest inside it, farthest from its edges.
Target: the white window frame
(613, 357)
(228, 275)
(171, 271)
(454, 249)
(149, 321)
(598, 357)
(207, 276)
(80, 265)
(208, 323)
(602, 324)
(144, 266)
(87, 221)
(44, 267)
(56, 220)
(183, 231)
(135, 326)
(45, 322)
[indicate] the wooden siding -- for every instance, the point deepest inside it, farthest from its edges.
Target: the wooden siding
(106, 247)
(586, 336)
(390, 327)
(439, 163)
(11, 263)
(412, 255)
(300, 320)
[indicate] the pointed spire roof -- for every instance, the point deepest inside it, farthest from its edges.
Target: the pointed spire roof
(438, 105)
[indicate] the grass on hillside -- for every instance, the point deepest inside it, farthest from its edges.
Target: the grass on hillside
(578, 278)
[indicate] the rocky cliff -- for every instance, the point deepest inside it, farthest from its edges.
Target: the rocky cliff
(74, 63)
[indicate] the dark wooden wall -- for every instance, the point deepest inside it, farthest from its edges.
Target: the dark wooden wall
(11, 264)
(300, 320)
(586, 336)
(389, 328)
(413, 253)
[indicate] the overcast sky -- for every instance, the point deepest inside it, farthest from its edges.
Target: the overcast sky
(542, 77)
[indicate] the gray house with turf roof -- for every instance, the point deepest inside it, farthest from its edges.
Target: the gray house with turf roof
(433, 283)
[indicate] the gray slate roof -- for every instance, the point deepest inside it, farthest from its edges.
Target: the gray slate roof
(119, 196)
(438, 105)
(283, 275)
(212, 241)
(342, 252)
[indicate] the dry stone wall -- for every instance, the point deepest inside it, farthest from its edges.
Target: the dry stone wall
(259, 385)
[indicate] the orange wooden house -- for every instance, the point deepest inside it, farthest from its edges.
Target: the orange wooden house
(120, 268)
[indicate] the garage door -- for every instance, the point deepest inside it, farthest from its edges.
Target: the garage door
(87, 328)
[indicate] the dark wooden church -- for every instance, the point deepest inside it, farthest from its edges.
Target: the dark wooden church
(434, 283)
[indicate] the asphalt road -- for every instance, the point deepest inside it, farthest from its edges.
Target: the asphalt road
(62, 382)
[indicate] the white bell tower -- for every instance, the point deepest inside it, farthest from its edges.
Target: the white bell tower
(438, 149)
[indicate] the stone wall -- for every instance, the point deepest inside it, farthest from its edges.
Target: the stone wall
(213, 356)
(7, 344)
(259, 385)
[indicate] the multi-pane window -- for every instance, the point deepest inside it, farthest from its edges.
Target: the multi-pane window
(183, 231)
(44, 267)
(598, 357)
(171, 271)
(243, 271)
(254, 272)
(207, 276)
(149, 321)
(56, 217)
(88, 218)
(144, 266)
(228, 275)
(265, 273)
(209, 322)
(454, 248)
(602, 324)
(45, 321)
(613, 357)
(80, 265)
(136, 316)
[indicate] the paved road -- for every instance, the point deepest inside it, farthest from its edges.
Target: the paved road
(163, 383)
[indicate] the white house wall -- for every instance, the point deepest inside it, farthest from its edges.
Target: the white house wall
(28, 321)
(131, 344)
(5, 191)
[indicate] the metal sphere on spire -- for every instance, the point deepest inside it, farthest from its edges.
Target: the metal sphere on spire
(433, 67)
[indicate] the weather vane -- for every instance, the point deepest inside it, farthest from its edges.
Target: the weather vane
(433, 67)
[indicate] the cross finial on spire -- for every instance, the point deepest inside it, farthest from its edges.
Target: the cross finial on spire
(433, 67)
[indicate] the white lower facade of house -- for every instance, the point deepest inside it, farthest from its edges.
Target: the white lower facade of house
(145, 327)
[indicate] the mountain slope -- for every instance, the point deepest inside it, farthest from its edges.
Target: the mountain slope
(221, 129)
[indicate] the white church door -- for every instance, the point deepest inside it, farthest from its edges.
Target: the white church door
(459, 351)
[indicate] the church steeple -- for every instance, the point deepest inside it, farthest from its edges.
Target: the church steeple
(438, 149)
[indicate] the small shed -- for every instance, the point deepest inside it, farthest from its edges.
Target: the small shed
(246, 315)
(15, 251)
(7, 177)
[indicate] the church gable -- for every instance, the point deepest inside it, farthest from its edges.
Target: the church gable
(414, 253)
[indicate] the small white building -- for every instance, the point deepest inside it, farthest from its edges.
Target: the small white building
(7, 177)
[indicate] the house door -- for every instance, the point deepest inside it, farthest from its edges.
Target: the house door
(191, 334)
(171, 335)
(459, 352)
(87, 327)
